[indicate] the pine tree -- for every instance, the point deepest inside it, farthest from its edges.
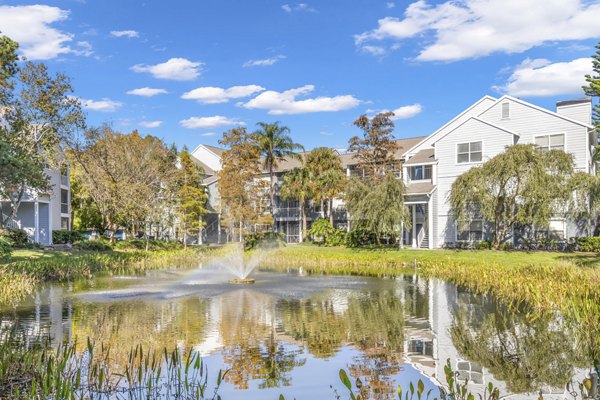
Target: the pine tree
(592, 89)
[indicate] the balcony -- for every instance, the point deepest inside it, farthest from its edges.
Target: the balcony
(287, 213)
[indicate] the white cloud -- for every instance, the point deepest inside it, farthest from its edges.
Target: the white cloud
(540, 77)
(127, 33)
(146, 92)
(214, 95)
(290, 8)
(208, 134)
(84, 48)
(30, 26)
(406, 112)
(177, 69)
(209, 122)
(286, 103)
(104, 105)
(263, 62)
(151, 124)
(476, 28)
(377, 51)
(390, 4)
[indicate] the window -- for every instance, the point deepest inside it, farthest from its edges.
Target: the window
(551, 142)
(64, 201)
(554, 230)
(419, 172)
(64, 223)
(469, 152)
(505, 110)
(469, 231)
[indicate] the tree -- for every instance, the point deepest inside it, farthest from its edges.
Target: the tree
(376, 150)
(329, 177)
(298, 185)
(240, 186)
(124, 175)
(584, 204)
(378, 207)
(592, 89)
(40, 119)
(191, 195)
(275, 146)
(523, 185)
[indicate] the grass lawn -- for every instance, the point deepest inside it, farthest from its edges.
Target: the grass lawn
(22, 255)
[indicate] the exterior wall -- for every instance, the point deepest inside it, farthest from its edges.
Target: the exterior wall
(208, 157)
(579, 112)
(434, 234)
(44, 229)
(494, 141)
(529, 121)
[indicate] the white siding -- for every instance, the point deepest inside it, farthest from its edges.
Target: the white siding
(494, 141)
(579, 112)
(529, 121)
(207, 157)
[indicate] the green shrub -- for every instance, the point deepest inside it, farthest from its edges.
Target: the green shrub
(264, 239)
(18, 237)
(337, 238)
(591, 244)
(320, 230)
(65, 236)
(6, 247)
(360, 237)
(483, 245)
(153, 244)
(92, 245)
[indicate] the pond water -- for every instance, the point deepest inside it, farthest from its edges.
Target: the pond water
(291, 334)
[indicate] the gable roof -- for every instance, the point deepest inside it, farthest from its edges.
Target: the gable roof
(215, 150)
(440, 129)
(480, 121)
(207, 170)
(545, 110)
(424, 156)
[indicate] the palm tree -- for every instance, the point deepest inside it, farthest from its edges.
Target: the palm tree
(325, 165)
(298, 185)
(275, 145)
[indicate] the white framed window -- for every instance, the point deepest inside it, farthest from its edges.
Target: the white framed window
(469, 152)
(554, 230)
(551, 142)
(469, 231)
(505, 110)
(419, 172)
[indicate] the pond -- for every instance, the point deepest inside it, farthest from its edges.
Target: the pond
(291, 334)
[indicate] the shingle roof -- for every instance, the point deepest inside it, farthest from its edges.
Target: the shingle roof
(207, 170)
(217, 150)
(422, 157)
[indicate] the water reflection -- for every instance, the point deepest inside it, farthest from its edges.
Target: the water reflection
(287, 328)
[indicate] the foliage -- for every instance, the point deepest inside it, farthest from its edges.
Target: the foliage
(66, 236)
(152, 244)
(298, 185)
(18, 237)
(191, 195)
(329, 179)
(584, 204)
(274, 145)
(322, 232)
(360, 237)
(264, 239)
(123, 175)
(240, 190)
(592, 88)
(523, 185)
(590, 244)
(93, 245)
(376, 150)
(379, 207)
(6, 247)
(39, 371)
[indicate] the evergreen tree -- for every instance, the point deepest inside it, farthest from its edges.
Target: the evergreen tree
(592, 88)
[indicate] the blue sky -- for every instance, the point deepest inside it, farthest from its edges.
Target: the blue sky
(186, 71)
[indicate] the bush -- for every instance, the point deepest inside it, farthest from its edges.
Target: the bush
(94, 245)
(320, 230)
(591, 244)
(18, 237)
(64, 236)
(360, 237)
(6, 247)
(483, 245)
(153, 244)
(264, 239)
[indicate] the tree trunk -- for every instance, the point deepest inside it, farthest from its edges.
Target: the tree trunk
(303, 206)
(272, 197)
(331, 211)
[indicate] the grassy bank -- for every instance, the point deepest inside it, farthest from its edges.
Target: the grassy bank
(27, 268)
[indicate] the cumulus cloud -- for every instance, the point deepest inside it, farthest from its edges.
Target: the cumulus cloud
(31, 27)
(146, 92)
(298, 7)
(104, 105)
(265, 62)
(476, 28)
(209, 122)
(406, 112)
(540, 77)
(127, 33)
(177, 69)
(286, 103)
(377, 51)
(150, 124)
(214, 95)
(390, 4)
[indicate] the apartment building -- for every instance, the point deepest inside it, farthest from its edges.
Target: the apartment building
(41, 213)
(430, 164)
